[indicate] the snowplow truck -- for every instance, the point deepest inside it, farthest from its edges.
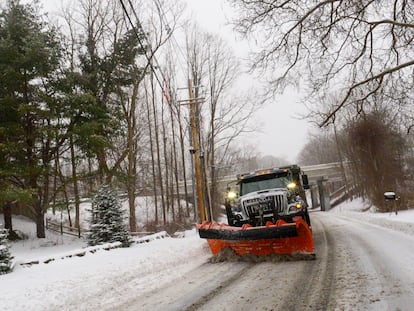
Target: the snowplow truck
(267, 213)
(268, 195)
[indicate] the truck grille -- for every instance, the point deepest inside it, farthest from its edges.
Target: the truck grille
(269, 203)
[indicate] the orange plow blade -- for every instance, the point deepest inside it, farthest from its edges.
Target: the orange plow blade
(278, 238)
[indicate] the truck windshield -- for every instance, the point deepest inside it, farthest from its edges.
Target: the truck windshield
(264, 182)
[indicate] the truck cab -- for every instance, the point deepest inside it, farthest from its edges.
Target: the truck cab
(268, 195)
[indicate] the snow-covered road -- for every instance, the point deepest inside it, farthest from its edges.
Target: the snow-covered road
(359, 266)
(363, 262)
(373, 265)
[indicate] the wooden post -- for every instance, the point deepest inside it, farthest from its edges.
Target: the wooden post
(196, 154)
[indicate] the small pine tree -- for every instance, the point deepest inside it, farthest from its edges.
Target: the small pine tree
(107, 221)
(5, 256)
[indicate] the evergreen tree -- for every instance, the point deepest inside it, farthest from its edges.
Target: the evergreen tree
(5, 256)
(29, 111)
(107, 221)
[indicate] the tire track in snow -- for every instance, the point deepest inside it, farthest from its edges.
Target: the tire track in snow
(190, 291)
(387, 262)
(261, 287)
(219, 289)
(351, 282)
(313, 289)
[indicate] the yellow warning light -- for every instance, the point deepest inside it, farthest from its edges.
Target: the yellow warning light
(263, 172)
(298, 205)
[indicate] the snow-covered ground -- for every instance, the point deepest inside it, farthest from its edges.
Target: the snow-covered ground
(95, 278)
(403, 221)
(69, 277)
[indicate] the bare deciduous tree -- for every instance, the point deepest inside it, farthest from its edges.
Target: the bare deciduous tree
(321, 148)
(223, 116)
(354, 47)
(375, 150)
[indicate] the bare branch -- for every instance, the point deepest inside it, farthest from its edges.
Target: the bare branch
(378, 77)
(332, 45)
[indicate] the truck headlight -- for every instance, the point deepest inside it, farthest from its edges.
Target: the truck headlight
(231, 195)
(291, 186)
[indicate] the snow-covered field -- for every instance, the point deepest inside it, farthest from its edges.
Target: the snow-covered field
(71, 282)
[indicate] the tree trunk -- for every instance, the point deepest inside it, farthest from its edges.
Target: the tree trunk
(132, 167)
(90, 181)
(40, 218)
(174, 151)
(7, 211)
(37, 207)
(75, 184)
(166, 165)
(171, 191)
(187, 206)
(157, 142)
(154, 178)
(64, 190)
(102, 166)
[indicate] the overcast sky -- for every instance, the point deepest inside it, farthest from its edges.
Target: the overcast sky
(283, 134)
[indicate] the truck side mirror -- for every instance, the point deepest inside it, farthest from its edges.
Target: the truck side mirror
(305, 182)
(390, 195)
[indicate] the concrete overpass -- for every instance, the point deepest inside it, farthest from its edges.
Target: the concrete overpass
(330, 171)
(319, 177)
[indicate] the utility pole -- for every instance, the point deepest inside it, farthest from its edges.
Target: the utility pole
(195, 150)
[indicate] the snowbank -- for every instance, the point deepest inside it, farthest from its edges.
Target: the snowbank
(361, 211)
(64, 271)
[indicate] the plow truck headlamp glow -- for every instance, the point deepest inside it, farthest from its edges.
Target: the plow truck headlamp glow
(291, 186)
(298, 205)
(231, 195)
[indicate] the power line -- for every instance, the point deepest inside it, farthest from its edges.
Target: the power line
(153, 57)
(172, 40)
(149, 58)
(178, 47)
